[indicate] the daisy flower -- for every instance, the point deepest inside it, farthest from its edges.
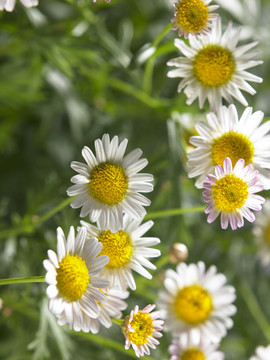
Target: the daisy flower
(197, 302)
(105, 0)
(261, 232)
(188, 347)
(127, 250)
(193, 16)
(74, 287)
(9, 5)
(262, 353)
(111, 308)
(214, 68)
(141, 328)
(109, 183)
(225, 135)
(231, 193)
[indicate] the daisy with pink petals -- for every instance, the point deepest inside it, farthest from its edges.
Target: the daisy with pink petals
(141, 328)
(193, 17)
(231, 193)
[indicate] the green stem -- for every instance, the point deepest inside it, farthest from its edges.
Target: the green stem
(173, 212)
(255, 309)
(29, 228)
(24, 280)
(149, 68)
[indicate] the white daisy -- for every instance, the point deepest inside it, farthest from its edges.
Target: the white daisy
(105, 0)
(197, 302)
(262, 353)
(127, 250)
(193, 17)
(224, 135)
(261, 233)
(111, 308)
(141, 328)
(9, 5)
(109, 183)
(231, 193)
(188, 347)
(74, 287)
(214, 68)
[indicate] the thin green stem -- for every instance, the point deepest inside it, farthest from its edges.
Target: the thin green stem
(36, 222)
(23, 280)
(255, 309)
(173, 212)
(149, 68)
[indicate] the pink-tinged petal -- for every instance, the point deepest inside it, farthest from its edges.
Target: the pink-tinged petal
(248, 214)
(212, 217)
(227, 165)
(224, 220)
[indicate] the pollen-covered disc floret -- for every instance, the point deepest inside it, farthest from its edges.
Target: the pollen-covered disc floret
(214, 67)
(141, 328)
(261, 232)
(9, 5)
(231, 193)
(74, 290)
(261, 353)
(109, 183)
(127, 249)
(193, 17)
(197, 302)
(111, 307)
(188, 347)
(227, 135)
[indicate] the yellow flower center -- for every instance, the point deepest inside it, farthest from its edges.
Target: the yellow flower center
(72, 277)
(142, 324)
(213, 65)
(108, 183)
(192, 354)
(192, 15)
(232, 145)
(230, 193)
(117, 246)
(193, 304)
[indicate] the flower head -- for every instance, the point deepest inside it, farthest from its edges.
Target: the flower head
(109, 183)
(214, 68)
(111, 308)
(127, 249)
(261, 233)
(9, 5)
(231, 193)
(193, 17)
(197, 302)
(74, 288)
(225, 135)
(141, 328)
(262, 353)
(188, 347)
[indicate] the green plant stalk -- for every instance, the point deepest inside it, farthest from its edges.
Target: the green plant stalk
(149, 68)
(23, 280)
(29, 228)
(255, 309)
(173, 212)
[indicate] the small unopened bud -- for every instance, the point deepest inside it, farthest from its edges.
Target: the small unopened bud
(178, 253)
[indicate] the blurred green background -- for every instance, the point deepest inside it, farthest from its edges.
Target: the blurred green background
(71, 71)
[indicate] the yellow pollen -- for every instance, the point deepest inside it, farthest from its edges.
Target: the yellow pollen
(193, 304)
(230, 193)
(72, 277)
(192, 354)
(213, 65)
(117, 246)
(233, 145)
(108, 183)
(192, 15)
(142, 324)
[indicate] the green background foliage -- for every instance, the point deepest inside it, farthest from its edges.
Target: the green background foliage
(71, 71)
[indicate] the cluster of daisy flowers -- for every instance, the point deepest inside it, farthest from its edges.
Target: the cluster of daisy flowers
(91, 272)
